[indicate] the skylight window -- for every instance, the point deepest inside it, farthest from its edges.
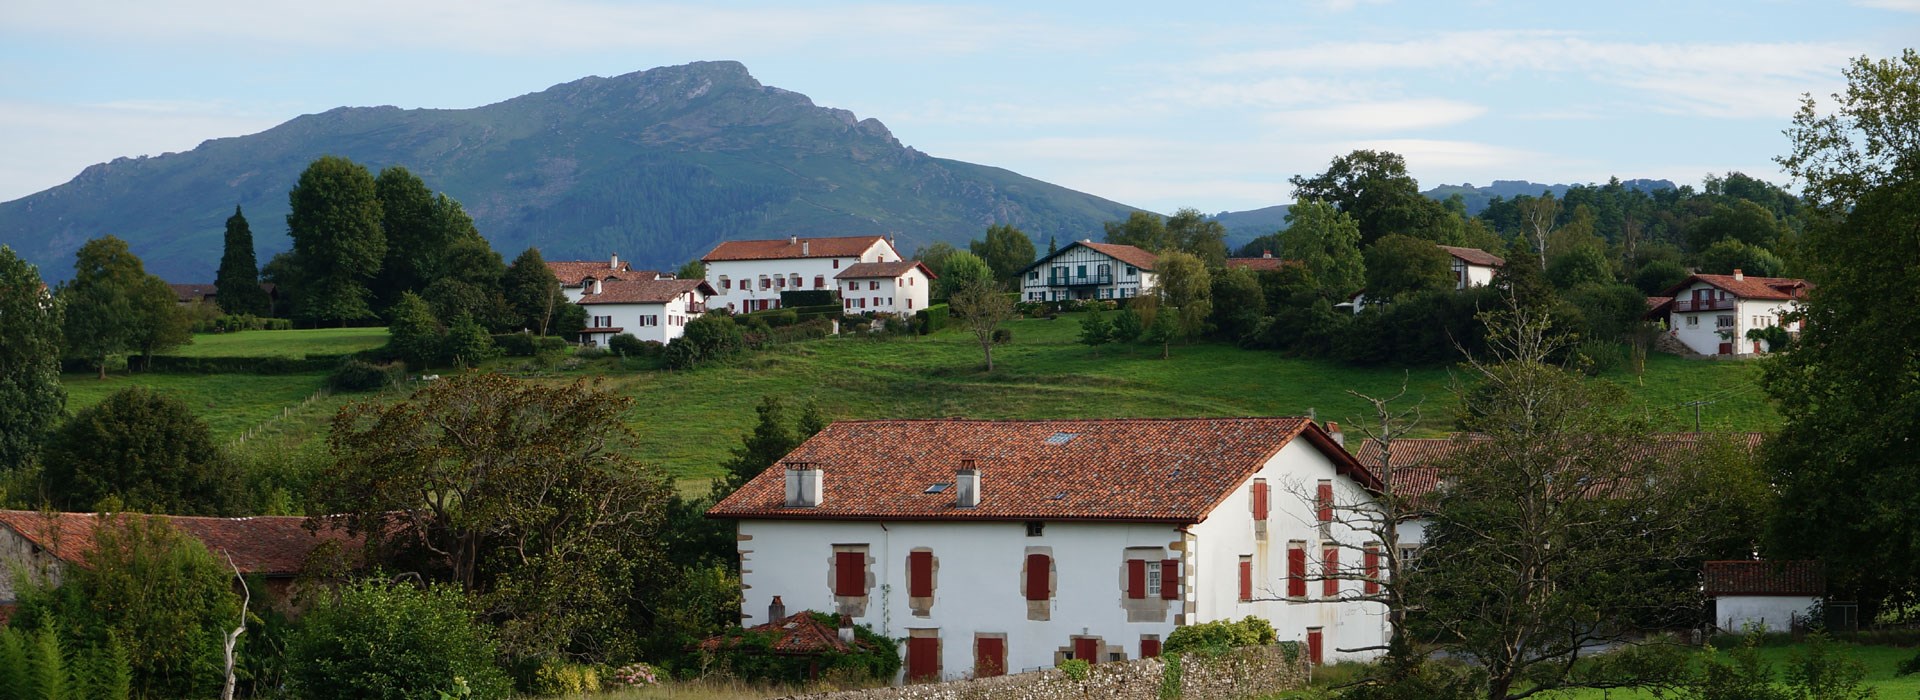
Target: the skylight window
(1058, 496)
(1061, 438)
(938, 488)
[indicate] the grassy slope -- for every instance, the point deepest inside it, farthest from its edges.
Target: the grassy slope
(1881, 662)
(230, 403)
(292, 344)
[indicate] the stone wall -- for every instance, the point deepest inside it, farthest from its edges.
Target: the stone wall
(1240, 673)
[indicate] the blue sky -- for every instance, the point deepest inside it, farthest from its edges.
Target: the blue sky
(1160, 105)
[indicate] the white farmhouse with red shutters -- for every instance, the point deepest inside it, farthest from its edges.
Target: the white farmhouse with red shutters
(1089, 270)
(1711, 314)
(1004, 546)
(898, 287)
(656, 310)
(750, 275)
(577, 276)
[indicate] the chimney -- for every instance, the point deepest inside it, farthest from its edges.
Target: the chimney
(1339, 438)
(967, 485)
(1266, 253)
(803, 485)
(846, 628)
(1739, 276)
(614, 263)
(776, 610)
(793, 239)
(804, 246)
(596, 287)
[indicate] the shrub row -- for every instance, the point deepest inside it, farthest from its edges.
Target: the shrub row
(169, 364)
(931, 319)
(230, 323)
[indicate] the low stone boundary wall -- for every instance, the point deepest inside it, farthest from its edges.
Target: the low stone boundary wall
(1232, 675)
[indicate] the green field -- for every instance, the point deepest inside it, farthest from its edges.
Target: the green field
(1881, 661)
(293, 344)
(230, 403)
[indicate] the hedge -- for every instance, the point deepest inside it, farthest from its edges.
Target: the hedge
(774, 317)
(528, 344)
(931, 319)
(168, 364)
(809, 297)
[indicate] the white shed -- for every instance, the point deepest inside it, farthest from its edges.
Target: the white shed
(1770, 595)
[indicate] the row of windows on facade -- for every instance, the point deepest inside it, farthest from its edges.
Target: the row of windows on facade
(1107, 293)
(1146, 578)
(646, 320)
(1060, 272)
(990, 652)
(878, 302)
(854, 286)
(795, 281)
(1727, 321)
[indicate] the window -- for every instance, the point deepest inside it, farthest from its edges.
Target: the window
(1039, 577)
(1693, 321)
(1136, 579)
(1323, 500)
(725, 283)
(1034, 275)
(1259, 499)
(850, 571)
(920, 574)
(1149, 647)
(1246, 577)
(1133, 271)
(1408, 555)
(1105, 271)
(796, 281)
(836, 263)
(1330, 572)
(873, 284)
(1372, 565)
(909, 302)
(847, 302)
(766, 283)
(1723, 321)
(1297, 570)
(853, 286)
(1035, 528)
(1153, 579)
(819, 281)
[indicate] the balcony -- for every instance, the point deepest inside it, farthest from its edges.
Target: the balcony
(1079, 280)
(1685, 305)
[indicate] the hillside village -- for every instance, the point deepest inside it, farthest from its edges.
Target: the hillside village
(473, 501)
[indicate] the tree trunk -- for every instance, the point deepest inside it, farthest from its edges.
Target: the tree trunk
(1165, 352)
(987, 347)
(102, 364)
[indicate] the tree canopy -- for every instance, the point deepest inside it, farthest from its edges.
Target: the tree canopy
(338, 244)
(1374, 188)
(1327, 242)
(113, 306)
(1006, 250)
(146, 451)
(31, 397)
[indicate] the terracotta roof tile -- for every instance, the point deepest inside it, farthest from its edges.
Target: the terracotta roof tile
(883, 269)
(191, 292)
(1160, 470)
(268, 545)
(782, 248)
(1261, 264)
(1762, 578)
(643, 291)
(1474, 256)
(801, 633)
(571, 272)
(1748, 287)
(1125, 253)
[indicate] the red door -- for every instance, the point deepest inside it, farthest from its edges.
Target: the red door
(989, 657)
(1086, 649)
(1314, 646)
(1726, 348)
(923, 659)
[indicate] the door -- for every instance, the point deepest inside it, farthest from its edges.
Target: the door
(923, 659)
(989, 657)
(1726, 348)
(1087, 649)
(1314, 646)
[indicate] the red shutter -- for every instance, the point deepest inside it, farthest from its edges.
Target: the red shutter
(923, 658)
(1087, 650)
(1314, 647)
(1149, 648)
(849, 573)
(1325, 501)
(1259, 500)
(920, 567)
(1170, 579)
(989, 657)
(1246, 579)
(1296, 572)
(1330, 568)
(1038, 576)
(1137, 579)
(1373, 570)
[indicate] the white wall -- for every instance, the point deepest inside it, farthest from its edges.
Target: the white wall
(1700, 330)
(1471, 275)
(673, 316)
(1229, 533)
(902, 295)
(1776, 613)
(1123, 285)
(750, 271)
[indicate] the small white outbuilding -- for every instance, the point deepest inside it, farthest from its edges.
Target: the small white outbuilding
(1774, 596)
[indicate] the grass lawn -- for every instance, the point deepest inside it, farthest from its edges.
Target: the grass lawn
(1881, 662)
(230, 403)
(293, 344)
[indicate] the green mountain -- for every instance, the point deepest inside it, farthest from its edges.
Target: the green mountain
(656, 166)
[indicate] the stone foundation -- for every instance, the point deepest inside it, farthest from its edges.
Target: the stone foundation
(1240, 673)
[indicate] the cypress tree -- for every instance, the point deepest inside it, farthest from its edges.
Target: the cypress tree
(238, 282)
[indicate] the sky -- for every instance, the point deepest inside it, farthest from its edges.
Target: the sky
(1212, 105)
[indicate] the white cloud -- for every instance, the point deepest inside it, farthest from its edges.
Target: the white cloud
(47, 145)
(1373, 117)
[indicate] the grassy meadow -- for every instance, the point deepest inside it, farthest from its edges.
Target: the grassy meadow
(291, 344)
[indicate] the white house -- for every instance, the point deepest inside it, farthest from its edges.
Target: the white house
(1089, 270)
(750, 275)
(651, 309)
(578, 276)
(1005, 546)
(900, 287)
(1711, 314)
(1473, 267)
(1772, 595)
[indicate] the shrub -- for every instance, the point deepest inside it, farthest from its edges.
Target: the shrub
(1076, 669)
(549, 345)
(467, 342)
(427, 642)
(515, 344)
(750, 655)
(633, 675)
(1739, 674)
(359, 375)
(565, 679)
(1597, 357)
(146, 449)
(626, 345)
(1221, 634)
(1822, 670)
(591, 353)
(1002, 336)
(931, 319)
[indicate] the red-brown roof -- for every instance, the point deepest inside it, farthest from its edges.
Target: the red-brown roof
(883, 269)
(1415, 460)
(1654, 303)
(1124, 253)
(267, 545)
(1156, 470)
(1260, 264)
(1748, 286)
(647, 291)
(192, 292)
(1764, 578)
(1474, 256)
(781, 248)
(571, 272)
(801, 633)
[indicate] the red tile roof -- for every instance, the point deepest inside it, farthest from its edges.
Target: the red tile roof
(1156, 470)
(192, 292)
(1474, 256)
(783, 248)
(1764, 578)
(1260, 264)
(267, 545)
(801, 633)
(1124, 253)
(1416, 461)
(1748, 286)
(648, 291)
(1654, 303)
(883, 269)
(571, 272)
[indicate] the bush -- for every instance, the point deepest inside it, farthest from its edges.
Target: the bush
(1221, 634)
(591, 353)
(810, 297)
(360, 375)
(467, 342)
(749, 655)
(1597, 357)
(1076, 669)
(625, 345)
(146, 450)
(515, 344)
(633, 675)
(231, 323)
(1002, 336)
(931, 319)
(564, 679)
(427, 642)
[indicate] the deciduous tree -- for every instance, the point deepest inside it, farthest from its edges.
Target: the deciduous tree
(1327, 242)
(1196, 234)
(1401, 265)
(1006, 250)
(414, 333)
(1095, 331)
(1374, 188)
(237, 284)
(1185, 289)
(145, 450)
(31, 397)
(109, 303)
(338, 243)
(533, 291)
(983, 307)
(963, 270)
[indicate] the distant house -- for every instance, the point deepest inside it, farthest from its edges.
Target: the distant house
(186, 294)
(1777, 596)
(577, 276)
(648, 309)
(1711, 314)
(1002, 546)
(1089, 270)
(749, 276)
(1265, 262)
(885, 287)
(1473, 267)
(276, 548)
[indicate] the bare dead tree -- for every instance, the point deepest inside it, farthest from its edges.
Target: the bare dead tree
(233, 638)
(1540, 214)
